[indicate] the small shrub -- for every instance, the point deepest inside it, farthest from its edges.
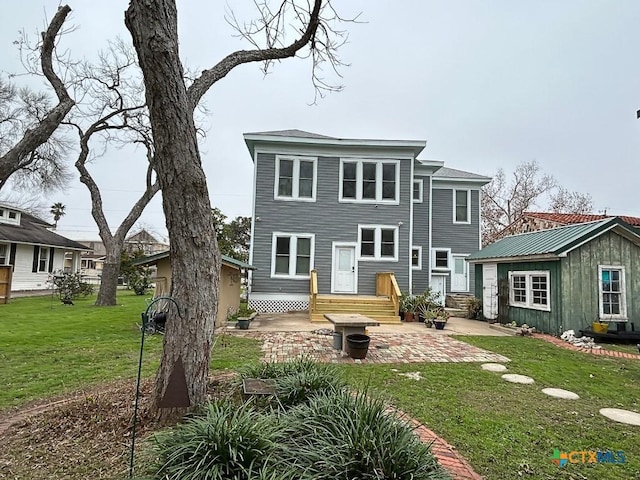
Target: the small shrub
(474, 309)
(345, 436)
(297, 380)
(71, 286)
(228, 441)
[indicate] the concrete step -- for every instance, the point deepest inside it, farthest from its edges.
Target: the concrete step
(457, 312)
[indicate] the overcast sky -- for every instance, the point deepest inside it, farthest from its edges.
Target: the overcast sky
(488, 84)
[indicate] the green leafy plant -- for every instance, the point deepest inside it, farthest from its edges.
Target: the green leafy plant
(228, 441)
(71, 286)
(474, 309)
(340, 435)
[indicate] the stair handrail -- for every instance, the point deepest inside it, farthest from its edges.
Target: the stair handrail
(387, 285)
(313, 291)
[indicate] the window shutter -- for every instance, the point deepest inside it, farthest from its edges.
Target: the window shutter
(36, 256)
(51, 251)
(12, 254)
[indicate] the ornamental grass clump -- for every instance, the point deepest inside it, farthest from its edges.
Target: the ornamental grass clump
(297, 380)
(347, 436)
(228, 441)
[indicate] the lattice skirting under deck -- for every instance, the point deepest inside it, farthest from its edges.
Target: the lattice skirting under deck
(278, 306)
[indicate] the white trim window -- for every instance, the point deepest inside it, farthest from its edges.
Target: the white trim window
(416, 258)
(417, 190)
(292, 255)
(43, 259)
(4, 254)
(461, 206)
(530, 290)
(296, 178)
(378, 243)
(612, 290)
(441, 259)
(369, 181)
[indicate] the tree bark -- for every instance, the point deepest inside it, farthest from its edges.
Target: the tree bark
(195, 261)
(108, 283)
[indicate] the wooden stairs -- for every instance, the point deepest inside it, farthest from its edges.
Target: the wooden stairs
(382, 307)
(378, 308)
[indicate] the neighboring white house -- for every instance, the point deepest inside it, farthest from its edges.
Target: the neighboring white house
(32, 249)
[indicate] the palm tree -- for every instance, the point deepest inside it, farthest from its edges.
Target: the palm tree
(57, 210)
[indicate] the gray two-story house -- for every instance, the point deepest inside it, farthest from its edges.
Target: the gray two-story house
(340, 217)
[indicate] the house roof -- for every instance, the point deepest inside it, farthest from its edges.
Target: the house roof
(142, 236)
(32, 230)
(230, 262)
(301, 137)
(552, 243)
(446, 173)
(568, 218)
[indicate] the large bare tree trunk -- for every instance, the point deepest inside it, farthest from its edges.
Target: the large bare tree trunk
(195, 261)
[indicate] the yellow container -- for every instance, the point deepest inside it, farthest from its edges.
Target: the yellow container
(598, 327)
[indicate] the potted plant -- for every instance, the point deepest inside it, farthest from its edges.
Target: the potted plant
(244, 315)
(409, 307)
(441, 318)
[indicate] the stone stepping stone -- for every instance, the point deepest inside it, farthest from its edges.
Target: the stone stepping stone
(516, 378)
(622, 416)
(493, 367)
(560, 393)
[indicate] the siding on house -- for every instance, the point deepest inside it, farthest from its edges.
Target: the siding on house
(330, 221)
(460, 238)
(23, 276)
(580, 293)
(420, 278)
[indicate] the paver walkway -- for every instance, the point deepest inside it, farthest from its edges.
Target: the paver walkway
(384, 348)
(594, 351)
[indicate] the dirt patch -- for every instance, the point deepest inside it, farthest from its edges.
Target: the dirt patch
(86, 435)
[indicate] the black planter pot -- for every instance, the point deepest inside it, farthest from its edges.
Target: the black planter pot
(439, 325)
(358, 345)
(243, 323)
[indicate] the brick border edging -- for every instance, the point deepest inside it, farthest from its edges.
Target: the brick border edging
(558, 342)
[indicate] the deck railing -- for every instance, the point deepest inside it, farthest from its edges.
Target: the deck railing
(387, 286)
(313, 291)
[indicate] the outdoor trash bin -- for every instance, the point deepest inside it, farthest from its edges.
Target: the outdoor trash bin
(358, 345)
(337, 340)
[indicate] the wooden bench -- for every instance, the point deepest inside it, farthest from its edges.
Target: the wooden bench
(348, 323)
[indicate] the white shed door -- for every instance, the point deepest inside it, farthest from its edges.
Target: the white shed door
(490, 291)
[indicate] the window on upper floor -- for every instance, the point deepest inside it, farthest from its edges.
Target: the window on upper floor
(417, 191)
(441, 259)
(373, 181)
(416, 258)
(529, 290)
(378, 243)
(292, 255)
(296, 178)
(9, 216)
(611, 288)
(462, 206)
(4, 254)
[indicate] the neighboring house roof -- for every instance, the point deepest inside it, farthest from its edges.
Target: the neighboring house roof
(569, 218)
(297, 137)
(453, 174)
(33, 230)
(552, 243)
(142, 236)
(151, 259)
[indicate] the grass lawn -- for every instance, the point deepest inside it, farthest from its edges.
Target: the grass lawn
(47, 348)
(510, 431)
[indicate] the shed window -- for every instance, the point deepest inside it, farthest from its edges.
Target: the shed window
(613, 302)
(529, 290)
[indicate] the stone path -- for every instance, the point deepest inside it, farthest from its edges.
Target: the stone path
(597, 351)
(384, 348)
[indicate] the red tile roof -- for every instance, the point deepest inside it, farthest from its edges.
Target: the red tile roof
(570, 218)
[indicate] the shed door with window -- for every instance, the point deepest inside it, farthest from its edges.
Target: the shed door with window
(490, 290)
(344, 270)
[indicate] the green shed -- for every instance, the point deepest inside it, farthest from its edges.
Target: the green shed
(563, 278)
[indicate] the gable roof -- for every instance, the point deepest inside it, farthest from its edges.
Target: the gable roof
(151, 259)
(33, 231)
(553, 243)
(142, 237)
(569, 218)
(299, 137)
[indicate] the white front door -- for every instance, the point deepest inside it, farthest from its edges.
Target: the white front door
(459, 275)
(490, 290)
(344, 269)
(439, 285)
